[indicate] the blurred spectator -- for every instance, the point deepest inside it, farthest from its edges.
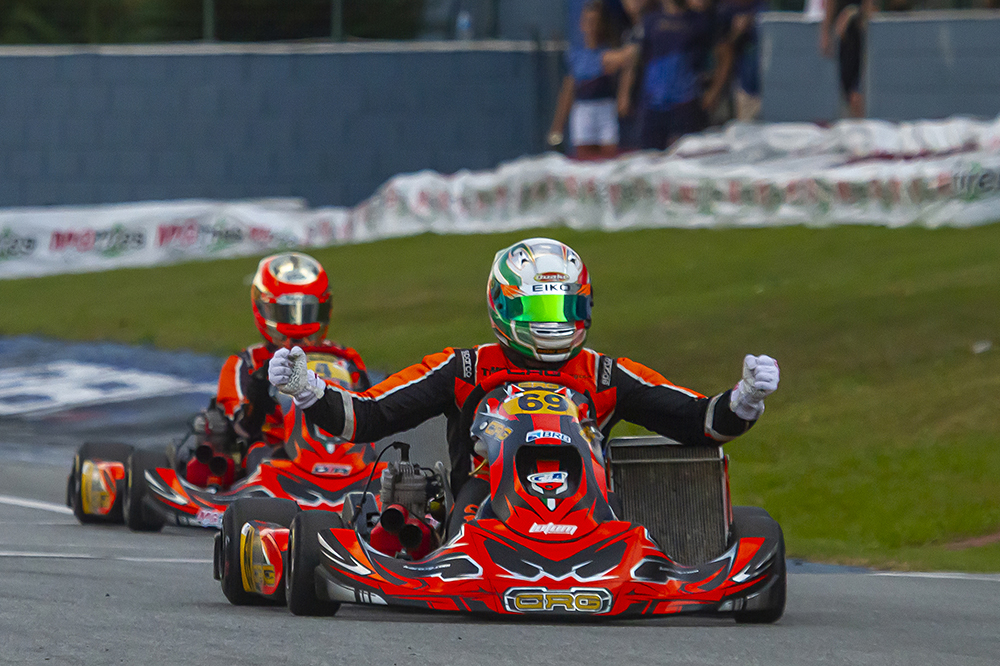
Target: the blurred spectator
(738, 59)
(588, 96)
(847, 19)
(628, 91)
(675, 42)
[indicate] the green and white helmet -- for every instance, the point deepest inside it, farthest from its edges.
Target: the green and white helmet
(539, 299)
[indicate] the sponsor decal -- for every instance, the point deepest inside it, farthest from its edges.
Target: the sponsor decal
(551, 288)
(466, 357)
(497, 430)
(549, 483)
(606, 365)
(547, 434)
(209, 518)
(552, 528)
(976, 182)
(552, 277)
(13, 246)
(540, 599)
(216, 237)
(331, 469)
(112, 242)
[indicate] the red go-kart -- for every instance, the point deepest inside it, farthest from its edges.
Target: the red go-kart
(551, 539)
(112, 482)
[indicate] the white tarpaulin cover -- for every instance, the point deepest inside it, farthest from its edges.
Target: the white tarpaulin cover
(929, 173)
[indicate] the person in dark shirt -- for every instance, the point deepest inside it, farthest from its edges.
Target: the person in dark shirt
(674, 48)
(738, 57)
(628, 91)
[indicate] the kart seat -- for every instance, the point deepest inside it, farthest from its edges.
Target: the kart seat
(485, 510)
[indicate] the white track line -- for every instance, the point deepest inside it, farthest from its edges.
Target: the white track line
(59, 556)
(35, 504)
(13, 554)
(942, 575)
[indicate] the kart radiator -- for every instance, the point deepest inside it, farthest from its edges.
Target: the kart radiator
(679, 493)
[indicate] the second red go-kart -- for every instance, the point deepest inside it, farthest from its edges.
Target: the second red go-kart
(113, 482)
(547, 541)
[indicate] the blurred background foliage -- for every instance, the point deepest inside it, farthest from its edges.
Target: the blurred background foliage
(136, 21)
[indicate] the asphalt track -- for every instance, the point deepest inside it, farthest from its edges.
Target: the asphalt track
(73, 594)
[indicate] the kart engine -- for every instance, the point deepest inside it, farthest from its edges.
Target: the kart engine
(405, 525)
(208, 455)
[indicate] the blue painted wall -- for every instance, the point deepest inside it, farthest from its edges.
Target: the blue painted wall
(127, 124)
(920, 66)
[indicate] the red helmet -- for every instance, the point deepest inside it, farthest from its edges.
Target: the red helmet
(291, 299)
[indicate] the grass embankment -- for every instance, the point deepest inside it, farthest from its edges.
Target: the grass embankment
(880, 447)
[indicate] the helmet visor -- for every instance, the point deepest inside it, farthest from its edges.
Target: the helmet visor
(546, 308)
(295, 309)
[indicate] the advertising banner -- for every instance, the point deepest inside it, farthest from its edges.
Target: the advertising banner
(931, 173)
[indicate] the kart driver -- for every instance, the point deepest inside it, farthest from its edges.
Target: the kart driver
(290, 295)
(539, 299)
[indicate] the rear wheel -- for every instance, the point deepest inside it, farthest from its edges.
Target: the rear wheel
(138, 516)
(768, 605)
(303, 558)
(267, 509)
(96, 451)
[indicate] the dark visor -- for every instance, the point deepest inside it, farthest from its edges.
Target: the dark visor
(295, 309)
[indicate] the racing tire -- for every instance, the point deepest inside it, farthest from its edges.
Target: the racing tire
(302, 559)
(239, 513)
(138, 515)
(767, 606)
(112, 451)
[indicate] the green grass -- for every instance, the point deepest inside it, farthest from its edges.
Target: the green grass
(880, 448)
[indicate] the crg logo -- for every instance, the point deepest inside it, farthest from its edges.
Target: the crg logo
(552, 528)
(540, 599)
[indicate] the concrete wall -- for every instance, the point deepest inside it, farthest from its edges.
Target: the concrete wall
(918, 65)
(329, 123)
(798, 84)
(502, 19)
(934, 64)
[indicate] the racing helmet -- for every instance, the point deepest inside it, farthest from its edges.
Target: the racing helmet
(539, 299)
(291, 299)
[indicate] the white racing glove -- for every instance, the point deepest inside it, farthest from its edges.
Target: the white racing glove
(288, 373)
(760, 379)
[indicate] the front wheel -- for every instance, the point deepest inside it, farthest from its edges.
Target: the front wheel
(229, 553)
(768, 605)
(138, 516)
(303, 558)
(95, 495)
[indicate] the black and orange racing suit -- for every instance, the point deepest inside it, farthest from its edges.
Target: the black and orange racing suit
(446, 382)
(244, 393)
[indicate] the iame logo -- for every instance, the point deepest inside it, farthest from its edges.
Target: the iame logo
(13, 246)
(540, 599)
